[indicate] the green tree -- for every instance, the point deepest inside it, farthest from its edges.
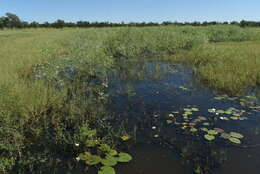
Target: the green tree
(12, 20)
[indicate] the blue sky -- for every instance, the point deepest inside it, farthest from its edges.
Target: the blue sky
(133, 10)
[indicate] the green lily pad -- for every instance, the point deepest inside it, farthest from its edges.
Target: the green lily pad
(235, 140)
(113, 152)
(206, 124)
(225, 135)
(220, 111)
(193, 129)
(204, 129)
(90, 159)
(107, 170)
(195, 109)
(212, 132)
(124, 157)
(236, 135)
(209, 137)
(234, 118)
(109, 161)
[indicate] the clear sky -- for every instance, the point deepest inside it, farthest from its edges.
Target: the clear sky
(133, 10)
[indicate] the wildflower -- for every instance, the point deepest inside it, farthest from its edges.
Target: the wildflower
(77, 144)
(78, 158)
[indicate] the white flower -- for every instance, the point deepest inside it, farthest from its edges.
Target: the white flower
(153, 127)
(77, 144)
(222, 118)
(214, 110)
(217, 113)
(78, 158)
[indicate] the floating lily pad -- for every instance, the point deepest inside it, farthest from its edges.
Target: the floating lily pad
(234, 118)
(204, 129)
(90, 159)
(107, 170)
(124, 157)
(212, 132)
(193, 129)
(236, 135)
(235, 140)
(195, 109)
(113, 153)
(206, 124)
(109, 161)
(209, 137)
(225, 135)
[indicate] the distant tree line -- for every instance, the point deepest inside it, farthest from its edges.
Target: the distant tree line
(11, 20)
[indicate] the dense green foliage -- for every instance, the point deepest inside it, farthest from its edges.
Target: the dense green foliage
(53, 82)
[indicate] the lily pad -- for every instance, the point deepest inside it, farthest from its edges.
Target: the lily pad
(113, 153)
(204, 129)
(235, 140)
(236, 135)
(90, 159)
(212, 132)
(206, 124)
(124, 157)
(109, 161)
(195, 109)
(107, 170)
(193, 129)
(225, 135)
(209, 137)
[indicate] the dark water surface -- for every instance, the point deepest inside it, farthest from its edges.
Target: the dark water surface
(146, 93)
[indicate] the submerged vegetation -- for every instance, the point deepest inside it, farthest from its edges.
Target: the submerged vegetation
(54, 90)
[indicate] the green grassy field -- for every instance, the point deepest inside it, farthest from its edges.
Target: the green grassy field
(226, 58)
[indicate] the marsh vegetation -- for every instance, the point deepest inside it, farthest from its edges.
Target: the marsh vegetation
(83, 100)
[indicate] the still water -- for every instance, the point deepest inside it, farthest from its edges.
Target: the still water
(169, 112)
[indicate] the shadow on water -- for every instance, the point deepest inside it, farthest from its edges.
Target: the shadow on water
(169, 114)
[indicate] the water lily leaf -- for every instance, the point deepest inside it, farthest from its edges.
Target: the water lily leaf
(104, 148)
(204, 129)
(220, 111)
(236, 135)
(90, 159)
(235, 140)
(195, 109)
(124, 157)
(206, 124)
(228, 112)
(212, 132)
(113, 152)
(109, 161)
(107, 170)
(234, 118)
(209, 137)
(225, 135)
(193, 129)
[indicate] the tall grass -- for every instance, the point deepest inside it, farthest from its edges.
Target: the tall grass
(38, 95)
